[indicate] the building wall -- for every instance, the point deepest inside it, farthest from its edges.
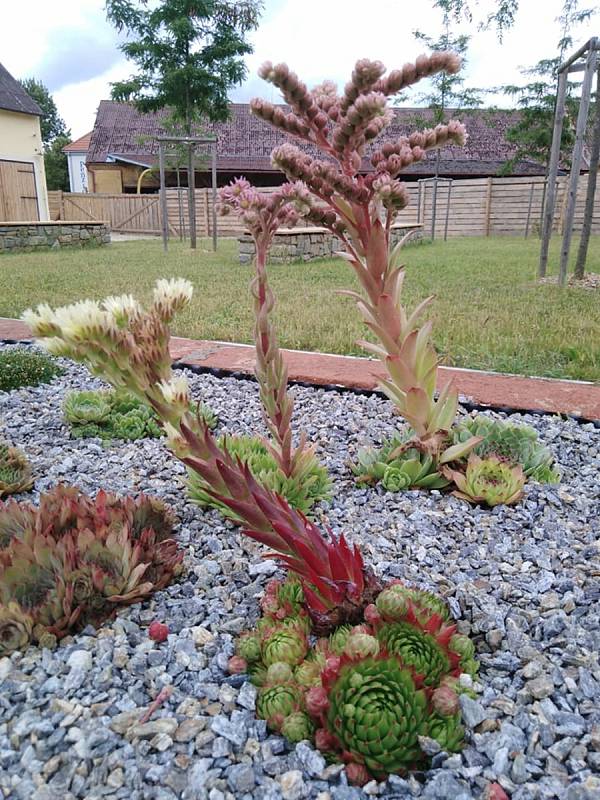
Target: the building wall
(78, 175)
(21, 140)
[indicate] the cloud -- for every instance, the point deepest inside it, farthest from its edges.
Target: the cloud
(77, 56)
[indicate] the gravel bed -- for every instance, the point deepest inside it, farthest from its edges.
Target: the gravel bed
(524, 581)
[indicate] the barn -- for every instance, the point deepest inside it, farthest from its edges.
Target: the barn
(123, 145)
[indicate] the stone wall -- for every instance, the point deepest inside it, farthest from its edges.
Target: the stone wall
(305, 244)
(27, 236)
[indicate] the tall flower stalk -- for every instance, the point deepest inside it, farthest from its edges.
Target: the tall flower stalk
(128, 346)
(360, 209)
(263, 214)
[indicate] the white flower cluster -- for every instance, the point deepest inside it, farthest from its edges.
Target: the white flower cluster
(176, 292)
(176, 391)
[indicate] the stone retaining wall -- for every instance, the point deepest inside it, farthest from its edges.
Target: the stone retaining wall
(24, 236)
(304, 244)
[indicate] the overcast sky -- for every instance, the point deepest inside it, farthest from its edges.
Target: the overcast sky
(70, 47)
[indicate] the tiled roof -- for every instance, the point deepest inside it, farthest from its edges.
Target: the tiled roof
(80, 145)
(13, 96)
(245, 142)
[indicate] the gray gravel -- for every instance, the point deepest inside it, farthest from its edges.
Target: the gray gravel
(524, 581)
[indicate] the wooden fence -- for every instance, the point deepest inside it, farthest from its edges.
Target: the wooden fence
(125, 213)
(478, 207)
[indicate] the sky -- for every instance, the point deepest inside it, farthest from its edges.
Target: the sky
(69, 45)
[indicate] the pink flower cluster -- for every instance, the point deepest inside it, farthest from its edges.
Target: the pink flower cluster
(261, 212)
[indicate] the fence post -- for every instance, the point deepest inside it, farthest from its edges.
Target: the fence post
(488, 207)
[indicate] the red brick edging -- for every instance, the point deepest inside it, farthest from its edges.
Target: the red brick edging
(481, 388)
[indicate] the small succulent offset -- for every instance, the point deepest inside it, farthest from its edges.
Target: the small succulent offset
(367, 693)
(515, 444)
(398, 467)
(21, 366)
(301, 492)
(73, 560)
(487, 480)
(15, 471)
(355, 192)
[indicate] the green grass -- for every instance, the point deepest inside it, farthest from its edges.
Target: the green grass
(488, 312)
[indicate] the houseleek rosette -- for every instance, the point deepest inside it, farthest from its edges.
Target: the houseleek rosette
(377, 714)
(15, 471)
(417, 649)
(488, 480)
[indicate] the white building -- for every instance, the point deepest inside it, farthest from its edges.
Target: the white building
(76, 153)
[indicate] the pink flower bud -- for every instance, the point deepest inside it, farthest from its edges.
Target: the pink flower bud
(237, 665)
(316, 700)
(371, 615)
(357, 774)
(324, 741)
(445, 701)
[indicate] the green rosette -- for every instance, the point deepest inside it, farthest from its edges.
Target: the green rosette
(417, 649)
(377, 714)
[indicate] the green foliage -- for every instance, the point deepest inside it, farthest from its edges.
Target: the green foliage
(116, 414)
(448, 90)
(73, 560)
(15, 471)
(20, 366)
(536, 99)
(516, 444)
(251, 450)
(188, 54)
(56, 164)
(408, 469)
(51, 123)
(367, 693)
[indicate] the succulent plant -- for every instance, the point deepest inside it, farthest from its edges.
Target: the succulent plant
(302, 493)
(516, 444)
(398, 467)
(286, 643)
(297, 726)
(275, 703)
(16, 628)
(248, 647)
(366, 694)
(81, 408)
(130, 426)
(487, 480)
(15, 471)
(74, 560)
(417, 649)
(376, 712)
(117, 414)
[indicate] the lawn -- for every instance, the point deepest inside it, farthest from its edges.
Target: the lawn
(488, 313)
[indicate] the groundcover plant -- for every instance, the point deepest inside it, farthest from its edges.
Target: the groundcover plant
(73, 560)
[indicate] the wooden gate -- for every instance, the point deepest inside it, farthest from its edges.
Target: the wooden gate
(126, 213)
(18, 193)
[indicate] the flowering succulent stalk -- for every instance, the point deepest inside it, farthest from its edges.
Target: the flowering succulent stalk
(129, 347)
(263, 214)
(361, 209)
